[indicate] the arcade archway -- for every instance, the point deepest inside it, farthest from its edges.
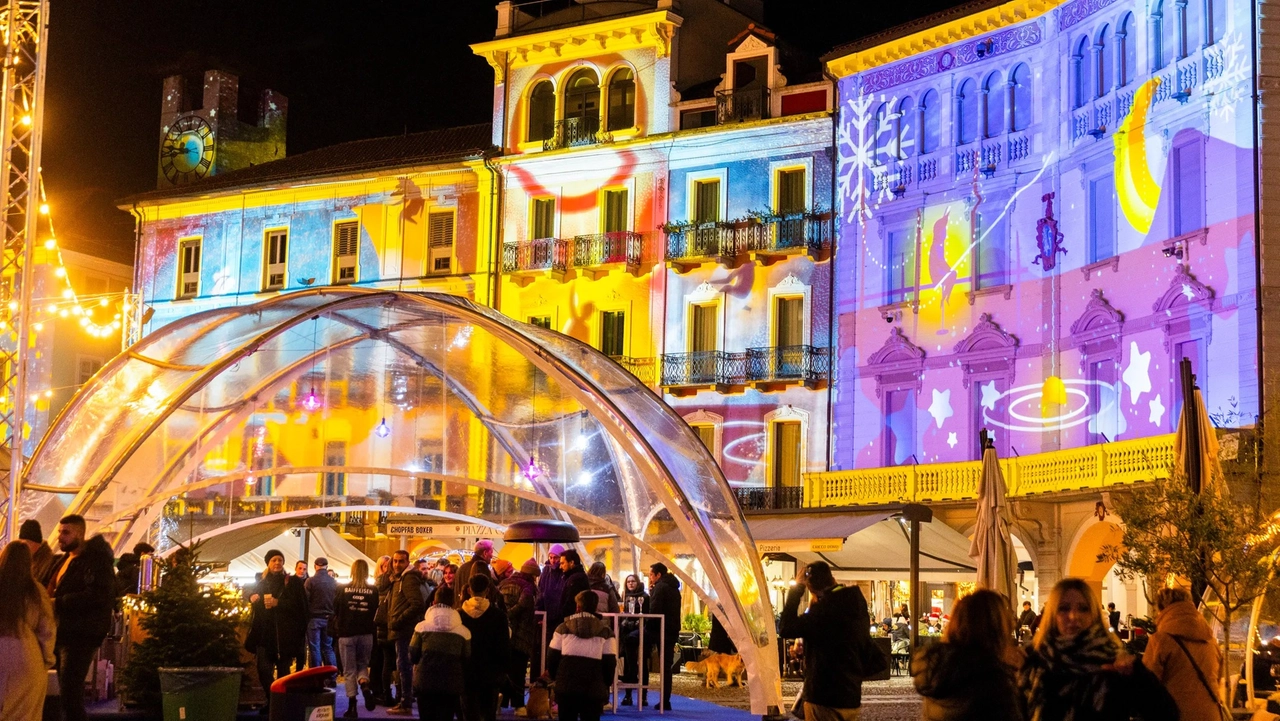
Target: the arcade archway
(332, 398)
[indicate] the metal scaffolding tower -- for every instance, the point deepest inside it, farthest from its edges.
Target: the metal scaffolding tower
(24, 30)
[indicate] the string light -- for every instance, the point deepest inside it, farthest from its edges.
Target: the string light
(383, 430)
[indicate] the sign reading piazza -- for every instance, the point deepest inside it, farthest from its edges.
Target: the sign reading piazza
(448, 530)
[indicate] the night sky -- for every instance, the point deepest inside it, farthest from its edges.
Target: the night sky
(350, 70)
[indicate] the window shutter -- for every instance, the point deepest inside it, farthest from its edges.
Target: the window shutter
(791, 192)
(708, 202)
(346, 246)
(786, 454)
(790, 320)
(440, 232)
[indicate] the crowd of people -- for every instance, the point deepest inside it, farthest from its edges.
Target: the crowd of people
(1074, 667)
(463, 640)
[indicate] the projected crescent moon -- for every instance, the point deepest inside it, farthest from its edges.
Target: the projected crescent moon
(1137, 191)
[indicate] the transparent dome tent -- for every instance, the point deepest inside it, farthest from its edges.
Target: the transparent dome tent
(334, 399)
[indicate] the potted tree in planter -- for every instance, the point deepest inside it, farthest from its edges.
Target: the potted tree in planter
(189, 663)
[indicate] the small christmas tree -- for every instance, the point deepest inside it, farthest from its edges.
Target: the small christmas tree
(187, 625)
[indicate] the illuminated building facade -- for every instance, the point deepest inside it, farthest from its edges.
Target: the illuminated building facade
(1044, 208)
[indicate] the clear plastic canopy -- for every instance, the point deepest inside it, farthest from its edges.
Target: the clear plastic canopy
(338, 398)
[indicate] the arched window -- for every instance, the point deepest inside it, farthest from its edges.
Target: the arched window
(1105, 63)
(582, 97)
(993, 92)
(1217, 13)
(1126, 51)
(884, 135)
(1081, 86)
(930, 134)
(542, 111)
(622, 100)
(1020, 92)
(906, 130)
(967, 99)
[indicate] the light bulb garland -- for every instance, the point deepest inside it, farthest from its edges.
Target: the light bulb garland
(66, 302)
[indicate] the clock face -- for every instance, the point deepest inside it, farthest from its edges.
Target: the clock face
(186, 153)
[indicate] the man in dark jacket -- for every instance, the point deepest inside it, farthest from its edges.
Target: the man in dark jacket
(835, 635)
(407, 609)
(479, 564)
(382, 643)
(321, 590)
(82, 585)
(490, 649)
(278, 631)
(664, 598)
(582, 658)
(1028, 617)
(575, 582)
(550, 593)
(519, 593)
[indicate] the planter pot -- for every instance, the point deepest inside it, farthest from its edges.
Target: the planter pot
(207, 693)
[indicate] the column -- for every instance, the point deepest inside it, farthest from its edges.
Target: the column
(958, 102)
(1099, 72)
(983, 129)
(920, 147)
(1077, 82)
(1122, 49)
(1181, 5)
(1010, 118)
(1153, 41)
(1206, 22)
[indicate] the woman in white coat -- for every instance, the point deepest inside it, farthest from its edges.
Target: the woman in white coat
(26, 637)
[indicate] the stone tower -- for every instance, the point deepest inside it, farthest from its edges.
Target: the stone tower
(198, 142)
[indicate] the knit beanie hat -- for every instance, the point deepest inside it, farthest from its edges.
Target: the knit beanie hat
(531, 568)
(501, 566)
(272, 554)
(30, 531)
(556, 549)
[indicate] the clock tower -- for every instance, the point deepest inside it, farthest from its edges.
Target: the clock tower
(218, 136)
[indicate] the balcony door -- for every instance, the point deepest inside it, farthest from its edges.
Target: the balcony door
(543, 219)
(613, 333)
(704, 334)
(786, 454)
(788, 323)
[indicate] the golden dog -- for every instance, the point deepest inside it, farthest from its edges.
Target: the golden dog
(540, 697)
(712, 664)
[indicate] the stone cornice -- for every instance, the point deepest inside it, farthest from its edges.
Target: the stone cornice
(650, 30)
(938, 36)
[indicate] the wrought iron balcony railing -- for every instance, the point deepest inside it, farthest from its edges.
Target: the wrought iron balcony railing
(769, 498)
(540, 254)
(801, 363)
(641, 368)
(573, 132)
(736, 106)
(704, 368)
(801, 231)
(623, 247)
(709, 240)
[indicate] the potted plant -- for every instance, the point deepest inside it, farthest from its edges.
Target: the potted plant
(189, 662)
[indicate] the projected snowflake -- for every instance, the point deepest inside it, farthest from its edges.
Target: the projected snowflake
(1230, 59)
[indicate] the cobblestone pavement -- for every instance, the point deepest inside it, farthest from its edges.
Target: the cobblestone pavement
(892, 700)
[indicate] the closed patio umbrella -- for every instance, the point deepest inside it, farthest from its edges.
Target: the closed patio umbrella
(1206, 446)
(992, 545)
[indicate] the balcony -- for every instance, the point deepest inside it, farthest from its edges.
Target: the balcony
(574, 132)
(776, 238)
(688, 373)
(526, 260)
(1073, 469)
(769, 498)
(767, 239)
(779, 366)
(691, 246)
(595, 255)
(738, 106)
(641, 368)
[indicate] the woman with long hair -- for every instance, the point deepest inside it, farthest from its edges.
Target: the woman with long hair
(354, 609)
(971, 674)
(27, 633)
(1076, 669)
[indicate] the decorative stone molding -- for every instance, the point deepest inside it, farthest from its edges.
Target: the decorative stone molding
(898, 363)
(1096, 332)
(1183, 310)
(987, 352)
